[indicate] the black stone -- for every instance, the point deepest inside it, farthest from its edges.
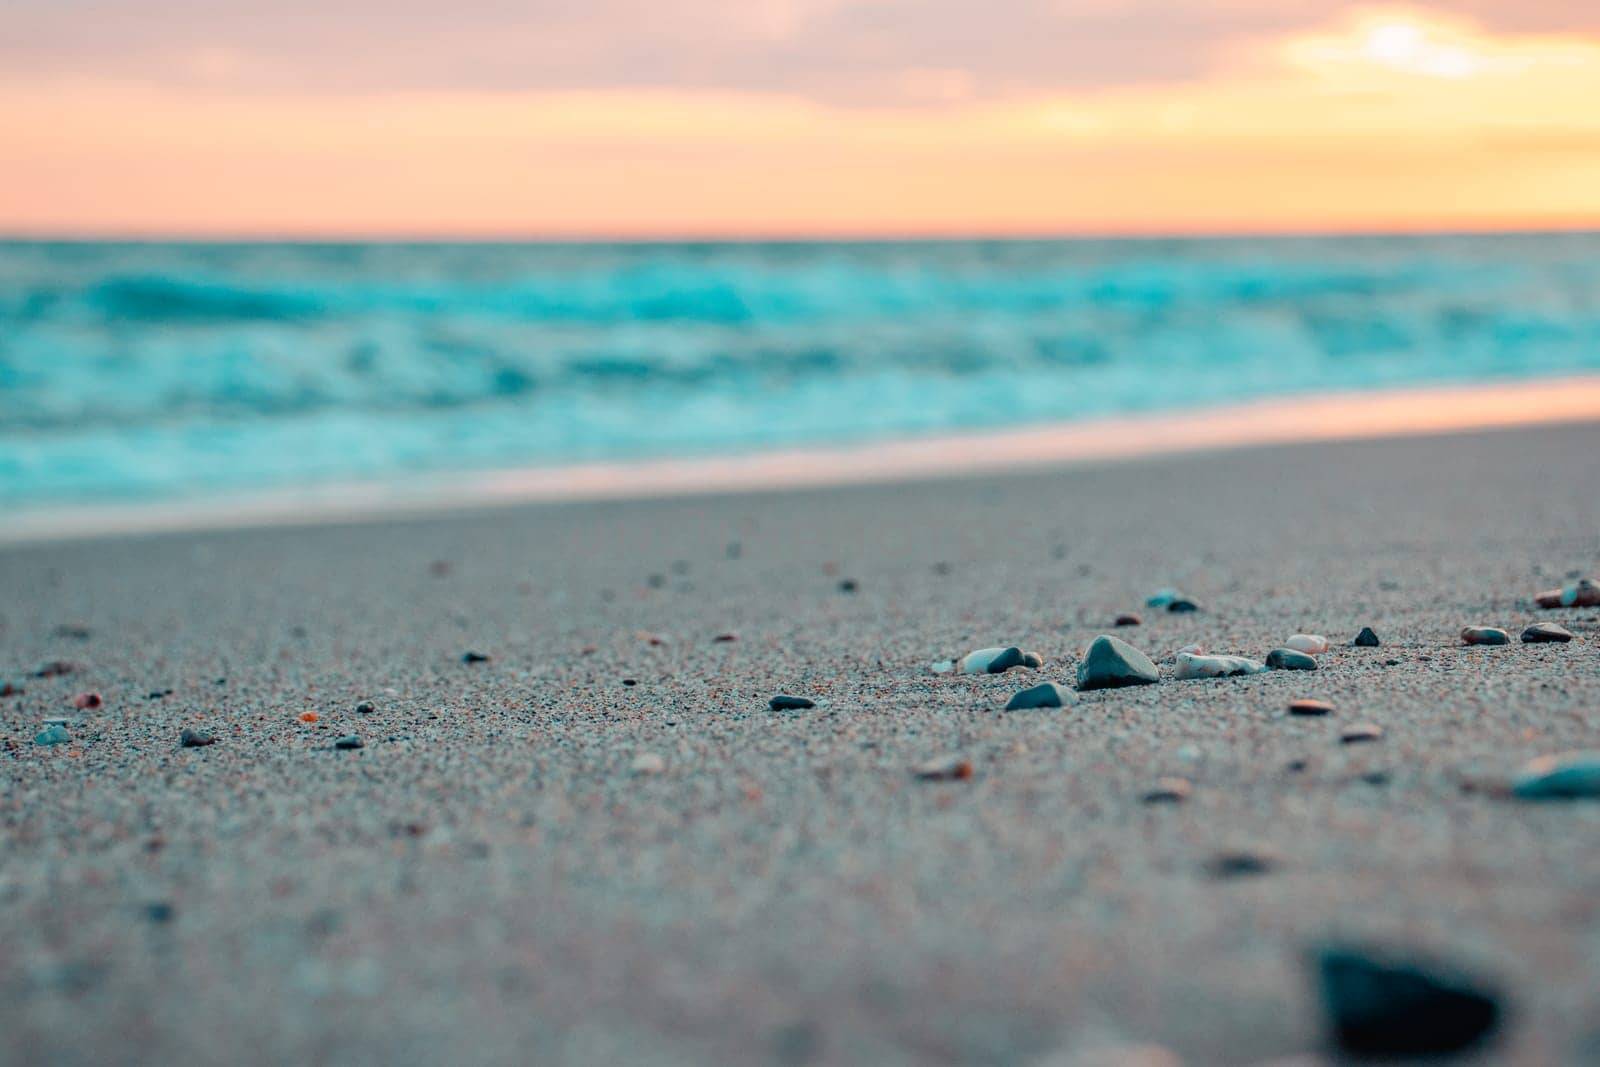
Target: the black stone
(195, 739)
(1182, 606)
(1366, 638)
(848, 585)
(1380, 1006)
(474, 657)
(349, 742)
(784, 702)
(1011, 657)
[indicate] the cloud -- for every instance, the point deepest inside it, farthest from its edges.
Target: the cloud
(857, 52)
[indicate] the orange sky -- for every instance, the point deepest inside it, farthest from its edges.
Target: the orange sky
(1359, 119)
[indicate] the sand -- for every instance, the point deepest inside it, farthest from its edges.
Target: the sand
(491, 880)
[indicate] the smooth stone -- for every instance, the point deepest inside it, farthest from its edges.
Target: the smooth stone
(1161, 598)
(365, 708)
(352, 741)
(1541, 633)
(55, 735)
(992, 660)
(1361, 731)
(944, 769)
(1287, 659)
(785, 702)
(1378, 1005)
(195, 739)
(1168, 791)
(87, 701)
(1565, 776)
(1310, 707)
(647, 763)
(944, 666)
(1046, 695)
(1192, 666)
(1366, 638)
(474, 657)
(1128, 620)
(1585, 594)
(1241, 863)
(1183, 606)
(1484, 635)
(1032, 660)
(1112, 663)
(1311, 643)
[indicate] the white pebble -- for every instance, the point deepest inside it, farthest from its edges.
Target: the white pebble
(648, 763)
(1312, 643)
(1192, 666)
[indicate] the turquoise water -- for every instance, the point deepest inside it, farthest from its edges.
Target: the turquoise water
(133, 371)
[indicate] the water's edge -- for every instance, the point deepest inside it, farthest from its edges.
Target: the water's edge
(1291, 421)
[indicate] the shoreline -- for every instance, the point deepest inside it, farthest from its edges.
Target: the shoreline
(1394, 413)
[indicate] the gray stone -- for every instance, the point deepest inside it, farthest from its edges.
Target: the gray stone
(1484, 635)
(1168, 791)
(352, 741)
(195, 739)
(1541, 633)
(1380, 1005)
(993, 660)
(1047, 695)
(1195, 666)
(1112, 662)
(1566, 776)
(785, 702)
(1287, 659)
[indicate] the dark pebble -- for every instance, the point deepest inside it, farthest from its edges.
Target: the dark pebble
(1011, 657)
(848, 585)
(630, 681)
(1129, 620)
(195, 739)
(725, 638)
(474, 657)
(1183, 606)
(1287, 659)
(1366, 638)
(1484, 635)
(784, 702)
(1545, 633)
(1240, 864)
(1381, 1006)
(1168, 791)
(349, 742)
(1362, 731)
(160, 912)
(365, 708)
(55, 668)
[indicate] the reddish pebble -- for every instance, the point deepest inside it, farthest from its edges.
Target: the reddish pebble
(724, 638)
(87, 700)
(309, 716)
(1364, 731)
(1310, 707)
(944, 769)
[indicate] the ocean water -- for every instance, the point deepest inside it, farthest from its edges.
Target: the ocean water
(139, 371)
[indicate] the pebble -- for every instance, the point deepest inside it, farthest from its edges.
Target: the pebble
(1032, 660)
(648, 763)
(90, 701)
(55, 668)
(1162, 597)
(1192, 666)
(1287, 659)
(1361, 731)
(848, 585)
(1310, 707)
(944, 769)
(1168, 791)
(1240, 863)
(784, 702)
(1565, 776)
(1380, 1005)
(349, 741)
(365, 708)
(474, 657)
(1129, 620)
(1545, 633)
(1111, 663)
(1366, 638)
(722, 639)
(9, 690)
(1312, 643)
(1585, 594)
(54, 735)
(1182, 606)
(992, 660)
(195, 739)
(1047, 695)
(943, 666)
(1484, 635)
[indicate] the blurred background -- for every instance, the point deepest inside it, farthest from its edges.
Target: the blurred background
(256, 246)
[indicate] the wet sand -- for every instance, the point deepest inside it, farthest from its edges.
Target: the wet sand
(488, 880)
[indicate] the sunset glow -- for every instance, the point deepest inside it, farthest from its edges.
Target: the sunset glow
(1402, 118)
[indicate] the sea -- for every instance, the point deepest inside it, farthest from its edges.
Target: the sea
(176, 371)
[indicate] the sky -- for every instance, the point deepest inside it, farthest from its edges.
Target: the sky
(710, 118)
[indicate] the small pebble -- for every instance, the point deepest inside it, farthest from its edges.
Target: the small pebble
(1366, 638)
(1565, 776)
(1585, 594)
(648, 763)
(848, 585)
(1129, 620)
(1112, 663)
(993, 660)
(784, 702)
(1240, 863)
(55, 668)
(160, 912)
(474, 657)
(90, 701)
(1168, 791)
(1484, 635)
(1545, 633)
(1162, 597)
(1183, 606)
(55, 735)
(349, 742)
(943, 666)
(9, 690)
(1046, 695)
(1287, 659)
(944, 769)
(1310, 707)
(1361, 731)
(724, 638)
(1378, 1004)
(1309, 643)
(1192, 666)
(195, 739)
(365, 708)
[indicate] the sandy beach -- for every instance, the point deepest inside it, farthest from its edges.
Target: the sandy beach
(497, 876)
